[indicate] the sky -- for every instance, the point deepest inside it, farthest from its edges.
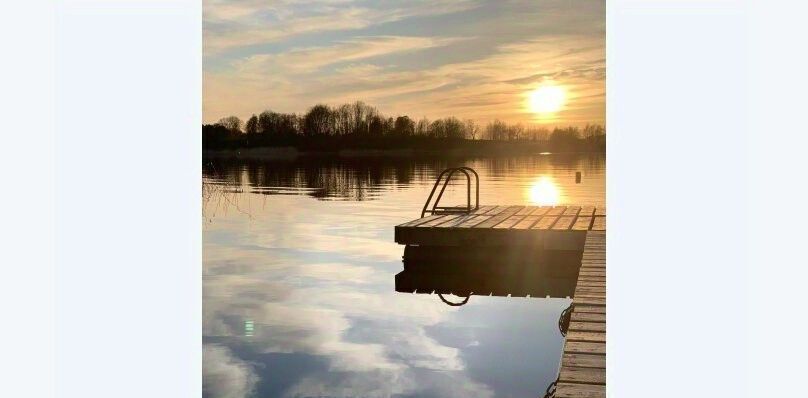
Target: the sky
(470, 59)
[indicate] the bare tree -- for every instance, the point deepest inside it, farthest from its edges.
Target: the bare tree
(318, 121)
(496, 130)
(231, 123)
(471, 129)
(422, 128)
(252, 125)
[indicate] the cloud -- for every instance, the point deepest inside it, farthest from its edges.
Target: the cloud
(225, 376)
(306, 60)
(228, 24)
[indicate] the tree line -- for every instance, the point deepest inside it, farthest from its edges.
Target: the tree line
(358, 125)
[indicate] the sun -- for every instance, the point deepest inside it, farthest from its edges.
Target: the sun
(547, 99)
(544, 192)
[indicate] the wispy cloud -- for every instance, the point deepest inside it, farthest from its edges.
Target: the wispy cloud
(299, 61)
(232, 24)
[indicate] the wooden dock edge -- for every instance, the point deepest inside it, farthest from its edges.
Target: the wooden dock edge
(582, 372)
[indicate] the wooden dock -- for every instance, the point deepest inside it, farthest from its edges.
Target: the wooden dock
(543, 246)
(583, 363)
(549, 227)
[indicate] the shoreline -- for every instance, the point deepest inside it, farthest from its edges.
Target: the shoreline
(292, 153)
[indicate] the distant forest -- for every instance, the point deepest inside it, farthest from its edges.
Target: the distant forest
(360, 126)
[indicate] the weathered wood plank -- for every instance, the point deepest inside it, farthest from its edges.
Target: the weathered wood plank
(599, 223)
(420, 221)
(593, 267)
(582, 224)
(588, 326)
(572, 210)
(499, 217)
(587, 317)
(590, 290)
(600, 211)
(526, 222)
(496, 210)
(545, 223)
(583, 347)
(570, 390)
(557, 210)
(483, 209)
(457, 221)
(582, 300)
(582, 375)
(595, 309)
(438, 221)
(590, 283)
(577, 335)
(563, 223)
(590, 278)
(583, 361)
(526, 210)
(473, 221)
(587, 211)
(509, 222)
(540, 211)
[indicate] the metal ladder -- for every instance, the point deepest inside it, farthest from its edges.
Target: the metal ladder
(448, 173)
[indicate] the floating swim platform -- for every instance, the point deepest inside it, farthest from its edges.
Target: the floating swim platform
(551, 227)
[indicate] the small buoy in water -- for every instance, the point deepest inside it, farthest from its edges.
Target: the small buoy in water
(577, 177)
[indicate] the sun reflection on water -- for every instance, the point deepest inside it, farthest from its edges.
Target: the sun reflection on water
(544, 192)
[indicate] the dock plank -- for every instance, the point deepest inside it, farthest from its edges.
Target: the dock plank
(571, 390)
(457, 221)
(599, 223)
(509, 222)
(420, 221)
(545, 223)
(584, 361)
(496, 210)
(483, 209)
(582, 347)
(557, 210)
(526, 211)
(501, 216)
(473, 221)
(577, 335)
(588, 326)
(572, 210)
(439, 221)
(564, 223)
(540, 211)
(582, 224)
(582, 375)
(590, 309)
(587, 211)
(526, 222)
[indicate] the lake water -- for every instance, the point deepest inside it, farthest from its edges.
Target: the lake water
(298, 282)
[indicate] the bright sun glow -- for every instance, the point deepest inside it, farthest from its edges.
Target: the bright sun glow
(547, 99)
(543, 192)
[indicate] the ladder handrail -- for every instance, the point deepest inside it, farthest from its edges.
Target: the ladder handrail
(463, 169)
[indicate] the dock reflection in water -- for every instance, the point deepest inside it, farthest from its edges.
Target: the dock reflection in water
(523, 272)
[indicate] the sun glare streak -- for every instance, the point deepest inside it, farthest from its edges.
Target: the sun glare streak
(544, 192)
(547, 99)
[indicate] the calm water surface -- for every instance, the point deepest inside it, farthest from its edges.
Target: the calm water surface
(298, 282)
